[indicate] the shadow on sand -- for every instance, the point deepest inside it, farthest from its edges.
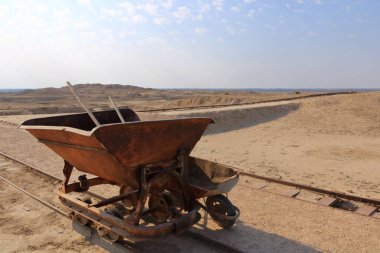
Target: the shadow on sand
(240, 237)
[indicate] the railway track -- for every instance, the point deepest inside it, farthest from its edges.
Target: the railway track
(356, 204)
(292, 190)
(9, 176)
(334, 199)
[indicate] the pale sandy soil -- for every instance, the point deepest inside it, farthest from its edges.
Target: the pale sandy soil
(28, 226)
(330, 142)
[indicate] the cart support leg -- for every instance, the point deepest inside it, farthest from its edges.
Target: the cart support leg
(67, 170)
(183, 175)
(143, 195)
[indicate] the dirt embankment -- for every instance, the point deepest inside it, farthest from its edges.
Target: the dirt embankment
(238, 117)
(327, 142)
(355, 114)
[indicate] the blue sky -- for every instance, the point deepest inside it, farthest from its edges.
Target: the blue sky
(198, 44)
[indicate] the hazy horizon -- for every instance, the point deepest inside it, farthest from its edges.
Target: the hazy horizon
(30, 87)
(245, 44)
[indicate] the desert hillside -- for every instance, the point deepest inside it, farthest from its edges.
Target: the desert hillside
(60, 100)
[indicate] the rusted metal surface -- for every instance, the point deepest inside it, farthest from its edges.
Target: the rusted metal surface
(80, 121)
(132, 231)
(114, 199)
(114, 150)
(208, 178)
(148, 160)
(95, 239)
(148, 142)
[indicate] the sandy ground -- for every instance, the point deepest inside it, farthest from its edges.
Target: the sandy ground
(330, 142)
(269, 222)
(28, 226)
(327, 142)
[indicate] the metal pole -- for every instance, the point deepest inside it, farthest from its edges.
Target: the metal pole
(84, 107)
(117, 110)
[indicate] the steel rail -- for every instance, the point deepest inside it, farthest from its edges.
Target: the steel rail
(7, 123)
(248, 174)
(312, 189)
(30, 167)
(56, 209)
(206, 240)
(100, 243)
(43, 173)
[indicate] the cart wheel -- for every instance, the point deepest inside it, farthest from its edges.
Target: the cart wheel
(160, 208)
(102, 231)
(131, 201)
(222, 211)
(114, 212)
(86, 199)
(81, 219)
(108, 234)
(112, 236)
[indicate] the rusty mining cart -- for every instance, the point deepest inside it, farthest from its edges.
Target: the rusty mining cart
(160, 183)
